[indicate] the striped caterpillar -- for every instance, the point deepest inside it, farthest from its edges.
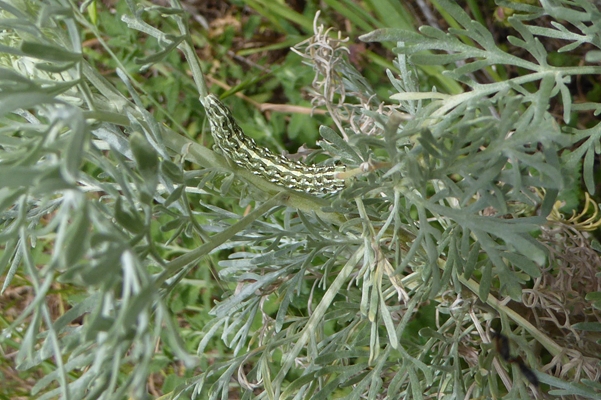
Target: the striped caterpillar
(244, 152)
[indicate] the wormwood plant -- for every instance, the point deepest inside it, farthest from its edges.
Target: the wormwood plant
(391, 289)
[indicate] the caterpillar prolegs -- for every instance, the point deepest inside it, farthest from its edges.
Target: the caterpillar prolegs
(244, 152)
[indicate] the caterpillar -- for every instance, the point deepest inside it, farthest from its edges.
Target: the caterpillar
(245, 153)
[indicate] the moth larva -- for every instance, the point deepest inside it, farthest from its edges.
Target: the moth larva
(244, 152)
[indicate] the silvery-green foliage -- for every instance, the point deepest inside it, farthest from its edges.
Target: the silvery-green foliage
(447, 229)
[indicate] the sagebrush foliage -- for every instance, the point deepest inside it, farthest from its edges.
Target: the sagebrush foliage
(389, 290)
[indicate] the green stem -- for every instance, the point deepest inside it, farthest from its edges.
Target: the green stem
(193, 61)
(216, 240)
(492, 301)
